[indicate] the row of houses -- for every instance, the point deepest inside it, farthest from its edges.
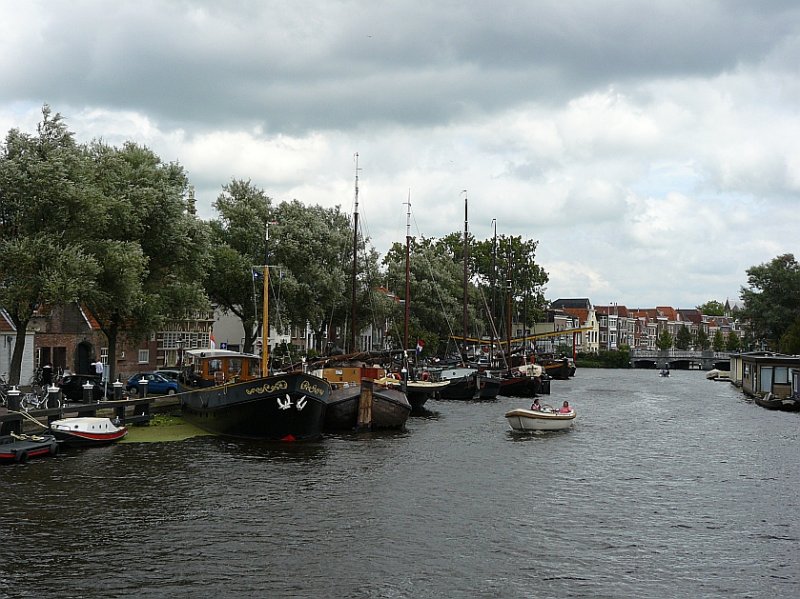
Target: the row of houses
(593, 328)
(69, 338)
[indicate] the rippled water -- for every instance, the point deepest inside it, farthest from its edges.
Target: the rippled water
(665, 487)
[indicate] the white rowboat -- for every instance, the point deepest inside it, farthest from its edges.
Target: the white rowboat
(523, 421)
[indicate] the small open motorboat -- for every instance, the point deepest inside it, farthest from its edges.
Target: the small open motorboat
(87, 430)
(523, 420)
(18, 448)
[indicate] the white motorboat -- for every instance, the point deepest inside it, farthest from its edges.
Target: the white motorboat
(522, 420)
(87, 430)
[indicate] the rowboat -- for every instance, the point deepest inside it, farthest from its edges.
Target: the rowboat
(522, 420)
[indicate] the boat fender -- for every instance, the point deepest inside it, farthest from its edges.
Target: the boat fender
(21, 457)
(54, 448)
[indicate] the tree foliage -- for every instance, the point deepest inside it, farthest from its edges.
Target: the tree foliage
(664, 340)
(150, 249)
(683, 338)
(712, 308)
(772, 298)
(45, 213)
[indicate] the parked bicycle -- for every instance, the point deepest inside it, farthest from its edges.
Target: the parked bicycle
(37, 400)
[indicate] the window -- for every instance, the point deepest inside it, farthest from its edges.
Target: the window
(144, 356)
(781, 376)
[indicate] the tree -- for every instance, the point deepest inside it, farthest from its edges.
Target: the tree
(151, 250)
(712, 308)
(772, 298)
(664, 340)
(701, 340)
(436, 285)
(719, 341)
(733, 343)
(44, 212)
(238, 249)
(790, 341)
(683, 339)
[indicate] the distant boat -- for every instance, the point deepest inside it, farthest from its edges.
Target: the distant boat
(87, 431)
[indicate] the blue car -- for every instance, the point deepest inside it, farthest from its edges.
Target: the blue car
(156, 384)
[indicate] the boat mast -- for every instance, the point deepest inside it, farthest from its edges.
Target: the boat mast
(408, 275)
(466, 271)
(355, 265)
(265, 307)
(493, 281)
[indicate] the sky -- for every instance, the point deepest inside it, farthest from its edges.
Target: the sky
(651, 147)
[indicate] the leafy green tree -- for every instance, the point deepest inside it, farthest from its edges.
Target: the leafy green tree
(772, 298)
(45, 211)
(733, 343)
(719, 341)
(436, 285)
(512, 259)
(748, 342)
(712, 308)
(664, 340)
(238, 251)
(314, 249)
(790, 341)
(701, 339)
(683, 339)
(151, 250)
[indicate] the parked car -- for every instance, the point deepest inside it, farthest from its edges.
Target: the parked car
(157, 384)
(169, 373)
(72, 387)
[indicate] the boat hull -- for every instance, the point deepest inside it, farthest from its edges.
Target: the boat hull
(525, 421)
(786, 404)
(488, 387)
(283, 407)
(87, 431)
(390, 408)
(19, 448)
(418, 392)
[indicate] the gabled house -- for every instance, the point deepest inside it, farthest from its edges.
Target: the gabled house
(582, 309)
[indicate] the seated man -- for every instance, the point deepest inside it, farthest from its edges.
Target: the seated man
(535, 405)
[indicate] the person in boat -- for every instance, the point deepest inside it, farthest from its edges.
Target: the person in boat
(565, 409)
(536, 406)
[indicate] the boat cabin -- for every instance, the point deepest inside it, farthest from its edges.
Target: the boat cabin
(209, 367)
(766, 372)
(344, 376)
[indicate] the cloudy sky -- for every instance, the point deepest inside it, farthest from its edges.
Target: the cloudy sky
(652, 147)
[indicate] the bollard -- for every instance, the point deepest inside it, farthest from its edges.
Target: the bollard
(53, 397)
(143, 387)
(118, 386)
(87, 391)
(14, 426)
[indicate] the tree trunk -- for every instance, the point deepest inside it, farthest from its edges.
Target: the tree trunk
(19, 351)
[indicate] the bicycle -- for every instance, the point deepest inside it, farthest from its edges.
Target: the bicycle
(34, 400)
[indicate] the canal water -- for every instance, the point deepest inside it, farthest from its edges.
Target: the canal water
(664, 487)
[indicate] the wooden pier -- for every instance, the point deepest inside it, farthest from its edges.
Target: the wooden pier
(137, 411)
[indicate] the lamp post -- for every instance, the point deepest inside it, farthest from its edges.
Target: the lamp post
(179, 345)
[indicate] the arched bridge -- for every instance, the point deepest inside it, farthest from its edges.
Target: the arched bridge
(680, 359)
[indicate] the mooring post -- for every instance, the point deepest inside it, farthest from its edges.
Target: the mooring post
(87, 387)
(118, 385)
(15, 426)
(143, 387)
(365, 405)
(52, 396)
